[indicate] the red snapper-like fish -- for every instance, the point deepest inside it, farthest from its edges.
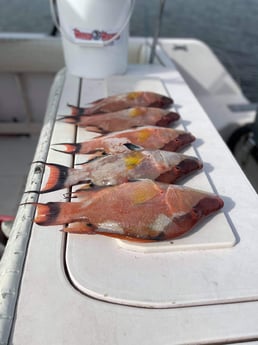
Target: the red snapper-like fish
(109, 170)
(142, 210)
(123, 119)
(124, 101)
(148, 137)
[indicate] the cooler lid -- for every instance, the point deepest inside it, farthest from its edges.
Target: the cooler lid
(154, 275)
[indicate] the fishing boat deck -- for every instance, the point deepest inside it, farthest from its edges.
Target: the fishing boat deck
(205, 282)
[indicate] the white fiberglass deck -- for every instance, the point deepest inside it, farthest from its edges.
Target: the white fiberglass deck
(217, 286)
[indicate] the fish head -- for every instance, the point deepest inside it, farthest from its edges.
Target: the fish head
(177, 165)
(194, 203)
(188, 207)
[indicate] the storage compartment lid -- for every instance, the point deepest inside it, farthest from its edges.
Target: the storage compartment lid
(155, 275)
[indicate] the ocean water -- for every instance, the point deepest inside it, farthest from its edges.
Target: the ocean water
(229, 27)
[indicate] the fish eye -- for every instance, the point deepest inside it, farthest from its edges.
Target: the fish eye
(196, 212)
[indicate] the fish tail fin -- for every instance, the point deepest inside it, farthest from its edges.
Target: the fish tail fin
(75, 110)
(56, 178)
(46, 214)
(55, 213)
(73, 119)
(67, 148)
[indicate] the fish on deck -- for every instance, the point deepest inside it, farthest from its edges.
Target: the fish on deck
(140, 210)
(109, 170)
(124, 101)
(147, 137)
(123, 119)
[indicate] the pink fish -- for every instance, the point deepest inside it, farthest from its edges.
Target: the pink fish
(163, 166)
(124, 101)
(149, 137)
(140, 210)
(123, 119)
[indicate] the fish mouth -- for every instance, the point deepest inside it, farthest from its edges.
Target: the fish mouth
(168, 118)
(163, 102)
(189, 164)
(207, 206)
(166, 101)
(186, 138)
(182, 140)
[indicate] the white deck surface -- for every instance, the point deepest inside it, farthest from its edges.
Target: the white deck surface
(50, 310)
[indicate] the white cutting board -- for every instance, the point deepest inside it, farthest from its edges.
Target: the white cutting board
(143, 274)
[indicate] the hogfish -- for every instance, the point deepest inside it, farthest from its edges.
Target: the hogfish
(158, 165)
(149, 137)
(135, 210)
(124, 101)
(123, 119)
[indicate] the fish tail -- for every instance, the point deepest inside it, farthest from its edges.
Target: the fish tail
(57, 175)
(56, 213)
(73, 119)
(76, 110)
(68, 148)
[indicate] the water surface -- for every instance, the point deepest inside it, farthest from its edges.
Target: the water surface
(229, 27)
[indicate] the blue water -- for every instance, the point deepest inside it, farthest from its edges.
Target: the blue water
(229, 27)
